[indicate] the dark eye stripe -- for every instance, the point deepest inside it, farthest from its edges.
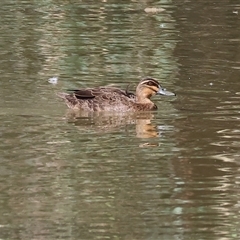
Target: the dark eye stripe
(153, 83)
(150, 82)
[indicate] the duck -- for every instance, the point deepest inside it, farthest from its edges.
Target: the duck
(109, 98)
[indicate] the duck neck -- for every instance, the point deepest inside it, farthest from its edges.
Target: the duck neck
(145, 104)
(145, 100)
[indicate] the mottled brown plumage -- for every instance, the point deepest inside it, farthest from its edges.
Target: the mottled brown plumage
(115, 99)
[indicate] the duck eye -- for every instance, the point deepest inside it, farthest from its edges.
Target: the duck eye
(150, 84)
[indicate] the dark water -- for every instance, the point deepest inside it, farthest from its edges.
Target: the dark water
(170, 174)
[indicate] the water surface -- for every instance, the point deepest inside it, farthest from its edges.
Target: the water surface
(170, 174)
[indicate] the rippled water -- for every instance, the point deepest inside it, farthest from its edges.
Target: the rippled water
(170, 174)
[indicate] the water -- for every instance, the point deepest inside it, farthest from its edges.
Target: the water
(170, 174)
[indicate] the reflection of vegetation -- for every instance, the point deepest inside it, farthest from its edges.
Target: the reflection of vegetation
(123, 42)
(92, 40)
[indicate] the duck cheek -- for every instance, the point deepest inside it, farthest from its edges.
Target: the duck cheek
(148, 95)
(153, 94)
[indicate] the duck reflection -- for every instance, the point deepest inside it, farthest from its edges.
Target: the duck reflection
(110, 122)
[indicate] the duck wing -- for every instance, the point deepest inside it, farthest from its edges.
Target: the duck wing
(101, 92)
(83, 94)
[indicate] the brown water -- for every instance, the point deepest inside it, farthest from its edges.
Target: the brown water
(170, 174)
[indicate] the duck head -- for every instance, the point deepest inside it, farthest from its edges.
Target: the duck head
(149, 87)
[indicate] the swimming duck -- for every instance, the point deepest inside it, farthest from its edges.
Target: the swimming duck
(115, 99)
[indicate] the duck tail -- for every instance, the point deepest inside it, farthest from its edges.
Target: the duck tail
(70, 100)
(63, 95)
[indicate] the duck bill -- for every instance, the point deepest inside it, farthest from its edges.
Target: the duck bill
(165, 92)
